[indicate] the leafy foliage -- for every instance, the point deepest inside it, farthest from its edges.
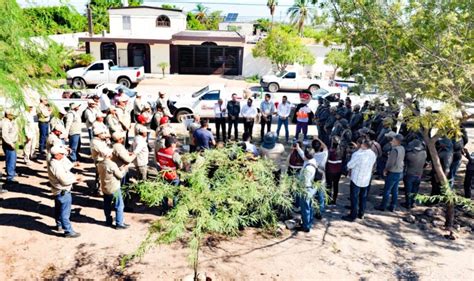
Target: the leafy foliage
(55, 20)
(163, 65)
(209, 22)
(263, 24)
(225, 191)
(100, 15)
(283, 49)
(300, 13)
(338, 59)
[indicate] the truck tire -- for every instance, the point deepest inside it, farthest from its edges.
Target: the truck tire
(180, 113)
(273, 87)
(78, 83)
(313, 88)
(124, 81)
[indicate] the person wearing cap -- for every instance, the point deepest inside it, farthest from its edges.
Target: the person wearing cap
(123, 114)
(203, 138)
(168, 161)
(112, 121)
(120, 154)
(307, 177)
(140, 149)
(196, 124)
(360, 173)
(415, 160)
(273, 151)
(220, 114)
(163, 102)
(393, 174)
(302, 118)
(73, 129)
(283, 112)
(356, 120)
(110, 176)
(99, 123)
(138, 105)
(233, 113)
(55, 138)
(61, 180)
(120, 95)
(249, 113)
(9, 140)
(99, 146)
(267, 110)
(90, 115)
(330, 121)
(321, 115)
(147, 113)
(163, 131)
(44, 116)
(104, 100)
(58, 118)
(30, 134)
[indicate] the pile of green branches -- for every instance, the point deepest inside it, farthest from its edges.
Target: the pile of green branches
(223, 191)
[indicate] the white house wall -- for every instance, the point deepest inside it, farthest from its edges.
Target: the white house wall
(95, 50)
(159, 53)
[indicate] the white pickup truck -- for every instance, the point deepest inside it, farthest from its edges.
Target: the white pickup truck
(104, 71)
(291, 80)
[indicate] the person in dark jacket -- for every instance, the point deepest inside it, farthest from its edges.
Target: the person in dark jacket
(469, 177)
(356, 119)
(341, 109)
(321, 115)
(458, 147)
(445, 154)
(233, 112)
(415, 159)
(348, 105)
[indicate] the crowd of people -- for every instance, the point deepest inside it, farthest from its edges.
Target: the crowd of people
(361, 143)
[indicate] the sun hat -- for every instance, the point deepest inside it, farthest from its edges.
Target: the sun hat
(118, 135)
(58, 149)
(269, 140)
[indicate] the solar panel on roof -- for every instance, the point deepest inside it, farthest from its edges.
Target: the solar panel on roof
(231, 17)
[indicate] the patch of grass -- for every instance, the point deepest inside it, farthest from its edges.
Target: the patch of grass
(253, 79)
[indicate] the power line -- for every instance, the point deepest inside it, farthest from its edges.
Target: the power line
(214, 3)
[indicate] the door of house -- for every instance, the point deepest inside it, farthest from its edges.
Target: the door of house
(123, 57)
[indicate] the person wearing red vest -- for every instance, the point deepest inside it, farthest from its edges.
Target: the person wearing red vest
(169, 160)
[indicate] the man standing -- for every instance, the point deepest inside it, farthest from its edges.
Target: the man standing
(307, 177)
(112, 121)
(140, 149)
(123, 114)
(393, 173)
(203, 138)
(61, 180)
(169, 160)
(249, 112)
(31, 135)
(138, 105)
(415, 159)
(74, 128)
(110, 176)
(220, 113)
(196, 124)
(284, 110)
(356, 119)
(98, 147)
(55, 138)
(44, 116)
(121, 155)
(90, 114)
(322, 114)
(9, 140)
(163, 101)
(233, 113)
(267, 109)
(360, 170)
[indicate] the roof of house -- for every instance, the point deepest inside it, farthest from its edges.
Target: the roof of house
(209, 35)
(146, 7)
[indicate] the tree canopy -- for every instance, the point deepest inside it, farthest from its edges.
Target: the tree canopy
(55, 20)
(283, 49)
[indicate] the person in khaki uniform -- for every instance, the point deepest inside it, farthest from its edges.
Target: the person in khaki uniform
(58, 119)
(61, 180)
(90, 113)
(123, 114)
(121, 155)
(56, 137)
(99, 123)
(99, 145)
(31, 135)
(110, 176)
(9, 139)
(44, 116)
(74, 128)
(140, 149)
(112, 121)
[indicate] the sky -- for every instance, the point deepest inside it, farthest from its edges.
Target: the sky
(247, 9)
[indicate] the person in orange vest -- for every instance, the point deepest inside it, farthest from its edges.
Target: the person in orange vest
(168, 162)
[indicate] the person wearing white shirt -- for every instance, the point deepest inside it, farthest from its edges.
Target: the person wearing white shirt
(267, 109)
(31, 135)
(307, 175)
(220, 113)
(283, 112)
(249, 112)
(360, 171)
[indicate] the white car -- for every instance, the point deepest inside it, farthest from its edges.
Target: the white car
(113, 88)
(104, 71)
(293, 81)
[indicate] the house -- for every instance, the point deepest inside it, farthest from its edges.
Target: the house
(147, 36)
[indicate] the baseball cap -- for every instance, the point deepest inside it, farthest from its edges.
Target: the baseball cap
(99, 131)
(118, 135)
(58, 149)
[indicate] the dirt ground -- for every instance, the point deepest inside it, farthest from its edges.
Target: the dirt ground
(380, 247)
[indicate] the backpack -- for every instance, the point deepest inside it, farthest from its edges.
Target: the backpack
(319, 174)
(84, 116)
(295, 159)
(154, 123)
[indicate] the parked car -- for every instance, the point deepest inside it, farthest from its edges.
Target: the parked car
(293, 81)
(113, 88)
(104, 71)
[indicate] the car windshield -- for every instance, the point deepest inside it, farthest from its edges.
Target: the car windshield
(200, 92)
(319, 93)
(127, 91)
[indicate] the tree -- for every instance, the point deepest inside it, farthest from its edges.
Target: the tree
(263, 24)
(283, 49)
(26, 64)
(337, 59)
(415, 50)
(100, 16)
(299, 13)
(163, 66)
(271, 4)
(201, 12)
(55, 20)
(223, 192)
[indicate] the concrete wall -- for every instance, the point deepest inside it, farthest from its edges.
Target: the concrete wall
(95, 50)
(143, 23)
(254, 66)
(159, 53)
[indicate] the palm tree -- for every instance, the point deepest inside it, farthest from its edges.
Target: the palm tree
(300, 12)
(201, 12)
(271, 4)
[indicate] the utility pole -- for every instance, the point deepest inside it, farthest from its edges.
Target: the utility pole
(89, 20)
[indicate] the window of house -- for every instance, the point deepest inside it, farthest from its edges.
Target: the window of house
(163, 21)
(127, 25)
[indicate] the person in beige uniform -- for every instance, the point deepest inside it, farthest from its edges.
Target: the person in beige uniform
(138, 105)
(121, 155)
(56, 137)
(44, 116)
(74, 128)
(31, 135)
(90, 113)
(123, 114)
(140, 149)
(9, 139)
(58, 118)
(112, 121)
(99, 123)
(99, 146)
(110, 175)
(61, 180)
